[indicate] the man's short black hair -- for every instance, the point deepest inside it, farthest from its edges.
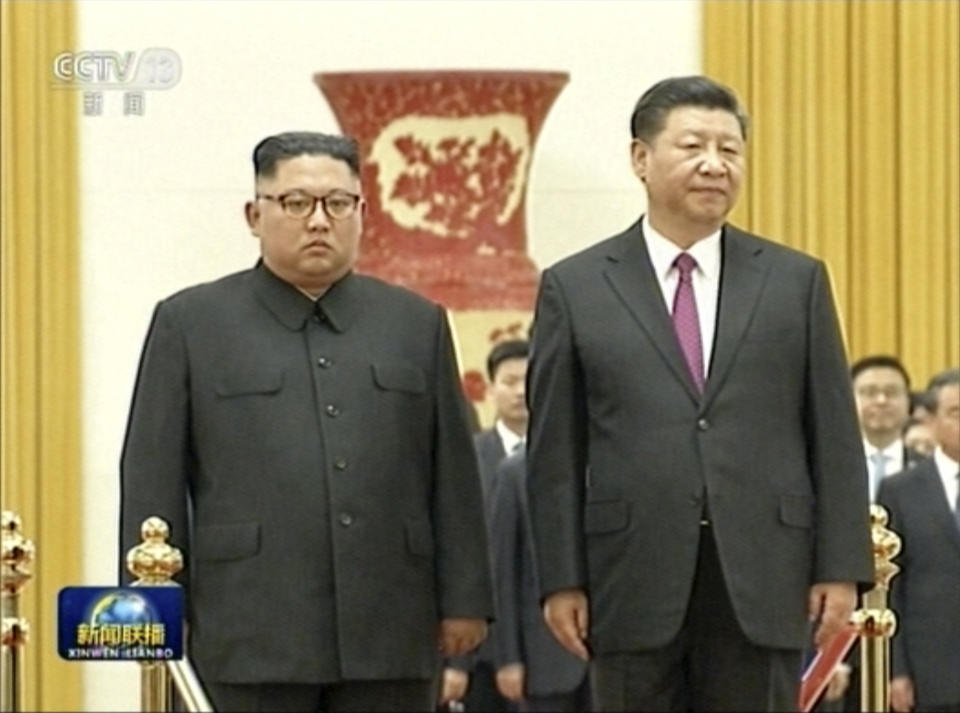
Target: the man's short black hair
(875, 361)
(510, 349)
(948, 377)
(650, 113)
(291, 144)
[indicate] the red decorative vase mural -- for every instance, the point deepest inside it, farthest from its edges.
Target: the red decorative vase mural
(445, 161)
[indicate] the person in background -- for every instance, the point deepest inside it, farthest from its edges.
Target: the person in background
(533, 669)
(882, 389)
(924, 508)
(472, 678)
(918, 437)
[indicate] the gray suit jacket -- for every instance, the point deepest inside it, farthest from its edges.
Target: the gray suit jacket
(624, 452)
(926, 593)
(318, 473)
(521, 634)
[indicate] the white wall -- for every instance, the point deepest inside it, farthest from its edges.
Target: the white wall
(162, 193)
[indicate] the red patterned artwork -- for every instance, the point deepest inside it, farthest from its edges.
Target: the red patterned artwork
(446, 156)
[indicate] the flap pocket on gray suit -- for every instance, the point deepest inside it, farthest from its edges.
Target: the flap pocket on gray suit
(227, 542)
(603, 517)
(240, 383)
(419, 537)
(397, 376)
(796, 510)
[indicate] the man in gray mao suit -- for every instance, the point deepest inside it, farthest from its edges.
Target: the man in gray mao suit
(696, 476)
(302, 430)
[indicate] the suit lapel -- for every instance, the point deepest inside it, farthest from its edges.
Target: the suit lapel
(936, 499)
(630, 274)
(742, 276)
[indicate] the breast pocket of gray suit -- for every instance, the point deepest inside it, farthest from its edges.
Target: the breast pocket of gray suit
(400, 377)
(248, 382)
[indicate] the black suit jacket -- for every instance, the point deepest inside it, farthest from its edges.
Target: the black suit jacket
(317, 472)
(926, 593)
(623, 451)
(490, 452)
(521, 634)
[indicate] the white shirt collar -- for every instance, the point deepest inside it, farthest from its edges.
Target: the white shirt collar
(947, 467)
(508, 438)
(664, 251)
(892, 452)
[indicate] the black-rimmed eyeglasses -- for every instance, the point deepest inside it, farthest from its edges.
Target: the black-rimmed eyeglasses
(337, 205)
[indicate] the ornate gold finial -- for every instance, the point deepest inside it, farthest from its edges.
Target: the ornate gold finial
(154, 561)
(17, 555)
(886, 546)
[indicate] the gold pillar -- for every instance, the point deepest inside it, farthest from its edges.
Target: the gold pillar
(154, 562)
(17, 555)
(876, 622)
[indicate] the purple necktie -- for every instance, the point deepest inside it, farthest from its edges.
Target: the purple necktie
(686, 323)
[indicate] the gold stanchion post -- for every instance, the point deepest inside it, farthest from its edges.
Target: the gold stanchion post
(876, 622)
(154, 562)
(18, 553)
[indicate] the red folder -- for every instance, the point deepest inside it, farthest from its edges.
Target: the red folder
(818, 673)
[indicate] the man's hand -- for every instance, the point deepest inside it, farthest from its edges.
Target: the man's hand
(901, 694)
(458, 636)
(839, 683)
(832, 603)
(510, 680)
(454, 685)
(567, 614)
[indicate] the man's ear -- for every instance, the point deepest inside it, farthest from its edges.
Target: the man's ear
(639, 155)
(251, 212)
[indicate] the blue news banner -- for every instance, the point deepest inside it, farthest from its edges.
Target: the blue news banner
(120, 623)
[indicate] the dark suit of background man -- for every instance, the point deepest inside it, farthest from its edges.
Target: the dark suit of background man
(533, 668)
(924, 508)
(881, 386)
(697, 484)
(472, 678)
(302, 429)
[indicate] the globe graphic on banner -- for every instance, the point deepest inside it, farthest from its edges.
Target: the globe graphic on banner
(122, 608)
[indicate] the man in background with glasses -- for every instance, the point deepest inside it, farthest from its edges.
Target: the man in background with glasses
(302, 430)
(882, 389)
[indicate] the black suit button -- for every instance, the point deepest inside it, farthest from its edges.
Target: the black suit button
(345, 519)
(324, 363)
(340, 463)
(332, 410)
(703, 424)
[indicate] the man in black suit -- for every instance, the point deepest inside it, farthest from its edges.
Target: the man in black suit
(695, 469)
(302, 430)
(881, 386)
(472, 678)
(924, 508)
(533, 669)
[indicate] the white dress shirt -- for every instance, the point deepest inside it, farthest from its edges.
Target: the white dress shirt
(508, 438)
(706, 279)
(948, 468)
(893, 462)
